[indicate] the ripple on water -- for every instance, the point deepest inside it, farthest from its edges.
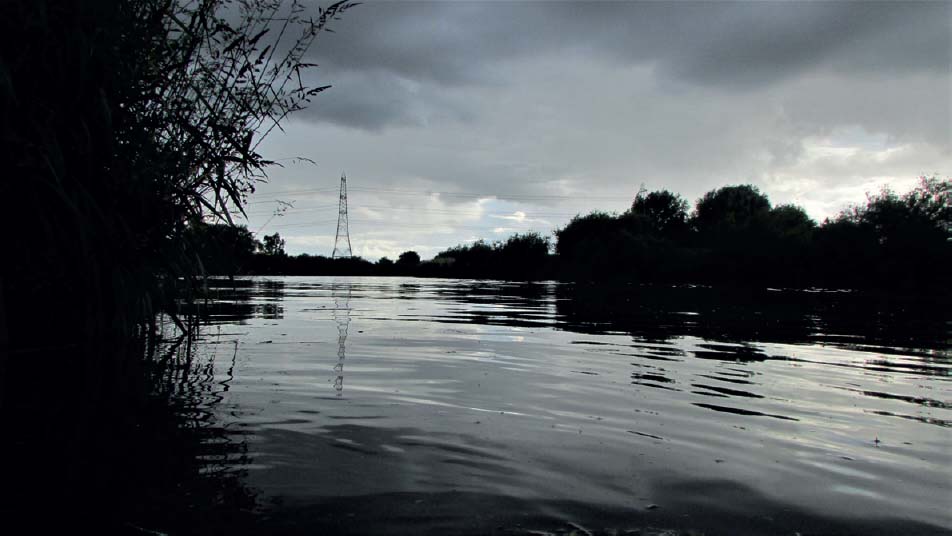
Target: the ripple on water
(563, 400)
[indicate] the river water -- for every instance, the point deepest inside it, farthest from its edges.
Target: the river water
(402, 405)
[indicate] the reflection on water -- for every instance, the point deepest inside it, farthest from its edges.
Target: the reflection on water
(134, 442)
(342, 319)
(474, 405)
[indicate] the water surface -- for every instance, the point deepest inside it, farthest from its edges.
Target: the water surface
(406, 405)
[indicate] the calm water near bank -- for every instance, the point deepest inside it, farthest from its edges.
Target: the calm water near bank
(415, 405)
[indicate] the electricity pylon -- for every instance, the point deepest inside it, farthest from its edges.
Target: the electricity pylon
(343, 232)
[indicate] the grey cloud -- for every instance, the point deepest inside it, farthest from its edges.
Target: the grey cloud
(583, 136)
(451, 42)
(750, 44)
(913, 108)
(423, 41)
(449, 46)
(367, 102)
(814, 102)
(372, 100)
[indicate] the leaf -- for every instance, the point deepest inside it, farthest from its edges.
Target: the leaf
(315, 91)
(262, 54)
(254, 40)
(232, 46)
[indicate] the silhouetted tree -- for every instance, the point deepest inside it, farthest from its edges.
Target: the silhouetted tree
(662, 212)
(273, 245)
(408, 259)
(729, 223)
(597, 246)
(473, 260)
(845, 253)
(891, 240)
(729, 208)
(781, 241)
(221, 248)
(522, 256)
(524, 249)
(932, 200)
(790, 222)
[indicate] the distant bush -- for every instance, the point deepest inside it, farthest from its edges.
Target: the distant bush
(521, 256)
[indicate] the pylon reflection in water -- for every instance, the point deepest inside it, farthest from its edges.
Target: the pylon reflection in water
(341, 294)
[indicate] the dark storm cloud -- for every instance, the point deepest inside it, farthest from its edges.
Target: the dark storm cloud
(368, 100)
(732, 46)
(759, 43)
(373, 99)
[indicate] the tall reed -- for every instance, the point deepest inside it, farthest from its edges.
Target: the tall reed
(123, 124)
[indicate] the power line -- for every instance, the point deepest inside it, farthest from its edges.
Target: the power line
(343, 232)
(456, 226)
(442, 193)
(484, 195)
(303, 224)
(451, 226)
(415, 209)
(300, 190)
(291, 210)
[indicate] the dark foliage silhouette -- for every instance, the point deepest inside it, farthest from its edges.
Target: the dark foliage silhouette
(521, 256)
(735, 236)
(125, 124)
(897, 241)
(729, 208)
(129, 133)
(222, 249)
(662, 213)
(408, 259)
(272, 244)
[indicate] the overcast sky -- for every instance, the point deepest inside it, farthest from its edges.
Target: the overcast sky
(462, 120)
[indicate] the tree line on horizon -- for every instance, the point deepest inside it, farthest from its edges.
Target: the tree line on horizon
(732, 235)
(735, 235)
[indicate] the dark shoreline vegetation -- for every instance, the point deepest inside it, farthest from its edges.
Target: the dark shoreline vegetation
(167, 103)
(129, 133)
(892, 243)
(126, 124)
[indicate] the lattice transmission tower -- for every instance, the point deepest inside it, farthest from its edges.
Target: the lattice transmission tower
(342, 247)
